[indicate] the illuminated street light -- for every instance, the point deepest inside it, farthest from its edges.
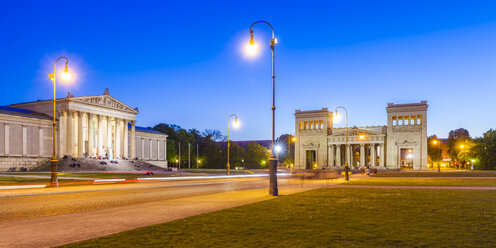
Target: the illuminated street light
(272, 160)
(53, 161)
(346, 168)
(278, 148)
(438, 163)
(228, 142)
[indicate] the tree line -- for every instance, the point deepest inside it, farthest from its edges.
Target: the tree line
(464, 150)
(211, 153)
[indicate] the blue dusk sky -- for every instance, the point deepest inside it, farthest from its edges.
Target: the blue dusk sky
(182, 62)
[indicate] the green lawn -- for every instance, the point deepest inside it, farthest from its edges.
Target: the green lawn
(445, 173)
(423, 182)
(332, 218)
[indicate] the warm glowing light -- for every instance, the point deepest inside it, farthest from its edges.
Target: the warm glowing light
(362, 137)
(461, 146)
(410, 151)
(336, 117)
(177, 160)
(66, 75)
(251, 49)
(294, 139)
(278, 148)
(473, 161)
(435, 141)
(236, 123)
(263, 161)
(199, 161)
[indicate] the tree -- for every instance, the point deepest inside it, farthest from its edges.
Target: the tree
(485, 151)
(257, 156)
(456, 138)
(434, 150)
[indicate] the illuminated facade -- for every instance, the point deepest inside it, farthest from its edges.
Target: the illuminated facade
(86, 126)
(402, 143)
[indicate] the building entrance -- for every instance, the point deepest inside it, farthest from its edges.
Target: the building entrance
(311, 159)
(406, 158)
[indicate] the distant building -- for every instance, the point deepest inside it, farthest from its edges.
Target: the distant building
(402, 143)
(89, 125)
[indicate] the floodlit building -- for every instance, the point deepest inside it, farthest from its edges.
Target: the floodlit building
(86, 126)
(402, 143)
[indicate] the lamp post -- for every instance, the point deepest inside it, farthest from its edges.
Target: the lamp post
(273, 159)
(346, 168)
(439, 146)
(228, 144)
(53, 161)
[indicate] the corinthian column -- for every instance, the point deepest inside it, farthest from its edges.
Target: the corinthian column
(338, 155)
(91, 135)
(70, 133)
(133, 139)
(126, 139)
(362, 155)
(80, 142)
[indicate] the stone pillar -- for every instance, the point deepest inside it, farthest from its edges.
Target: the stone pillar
(381, 155)
(126, 139)
(348, 154)
(331, 156)
(80, 143)
(109, 137)
(62, 147)
(338, 156)
(122, 137)
(362, 155)
(70, 133)
(133, 139)
(117, 138)
(373, 155)
(24, 140)
(91, 135)
(41, 139)
(7, 139)
(101, 144)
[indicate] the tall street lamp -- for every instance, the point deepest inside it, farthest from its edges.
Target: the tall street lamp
(273, 159)
(439, 146)
(346, 168)
(53, 161)
(229, 144)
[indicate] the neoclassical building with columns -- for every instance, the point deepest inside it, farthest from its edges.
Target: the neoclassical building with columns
(86, 126)
(401, 144)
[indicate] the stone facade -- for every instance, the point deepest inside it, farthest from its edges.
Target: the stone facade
(402, 143)
(86, 126)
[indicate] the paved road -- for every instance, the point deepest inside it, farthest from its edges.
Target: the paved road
(49, 217)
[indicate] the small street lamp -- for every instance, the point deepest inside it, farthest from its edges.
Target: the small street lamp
(272, 160)
(53, 161)
(228, 142)
(346, 168)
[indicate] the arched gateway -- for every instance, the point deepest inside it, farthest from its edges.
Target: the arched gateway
(400, 144)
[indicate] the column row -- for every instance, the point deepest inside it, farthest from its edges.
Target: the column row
(368, 155)
(82, 134)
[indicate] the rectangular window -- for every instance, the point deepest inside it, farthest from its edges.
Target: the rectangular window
(419, 119)
(394, 121)
(321, 124)
(400, 120)
(301, 125)
(407, 120)
(305, 125)
(412, 120)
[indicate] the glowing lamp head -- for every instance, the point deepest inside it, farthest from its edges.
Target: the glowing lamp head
(236, 122)
(251, 48)
(362, 137)
(294, 139)
(435, 141)
(462, 146)
(278, 148)
(336, 117)
(66, 75)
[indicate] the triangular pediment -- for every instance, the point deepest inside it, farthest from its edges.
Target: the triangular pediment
(354, 131)
(105, 101)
